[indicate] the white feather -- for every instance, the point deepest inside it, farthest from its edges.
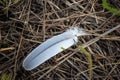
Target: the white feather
(51, 47)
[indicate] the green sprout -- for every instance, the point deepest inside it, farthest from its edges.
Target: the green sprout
(89, 59)
(107, 6)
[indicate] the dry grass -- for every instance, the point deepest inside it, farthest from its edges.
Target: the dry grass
(28, 23)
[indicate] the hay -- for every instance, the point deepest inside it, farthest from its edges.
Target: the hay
(28, 23)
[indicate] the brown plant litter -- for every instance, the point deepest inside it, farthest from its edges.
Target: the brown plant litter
(28, 23)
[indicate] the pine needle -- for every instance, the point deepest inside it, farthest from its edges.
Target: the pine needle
(6, 49)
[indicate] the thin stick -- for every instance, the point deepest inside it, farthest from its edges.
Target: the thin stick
(6, 49)
(102, 35)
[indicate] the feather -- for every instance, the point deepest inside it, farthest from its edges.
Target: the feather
(51, 47)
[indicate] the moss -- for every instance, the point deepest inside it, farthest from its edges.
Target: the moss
(5, 77)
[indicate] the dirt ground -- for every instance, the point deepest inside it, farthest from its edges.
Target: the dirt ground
(25, 24)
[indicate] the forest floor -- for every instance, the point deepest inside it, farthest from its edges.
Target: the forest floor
(25, 24)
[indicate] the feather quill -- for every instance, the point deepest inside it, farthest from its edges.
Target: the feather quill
(51, 47)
